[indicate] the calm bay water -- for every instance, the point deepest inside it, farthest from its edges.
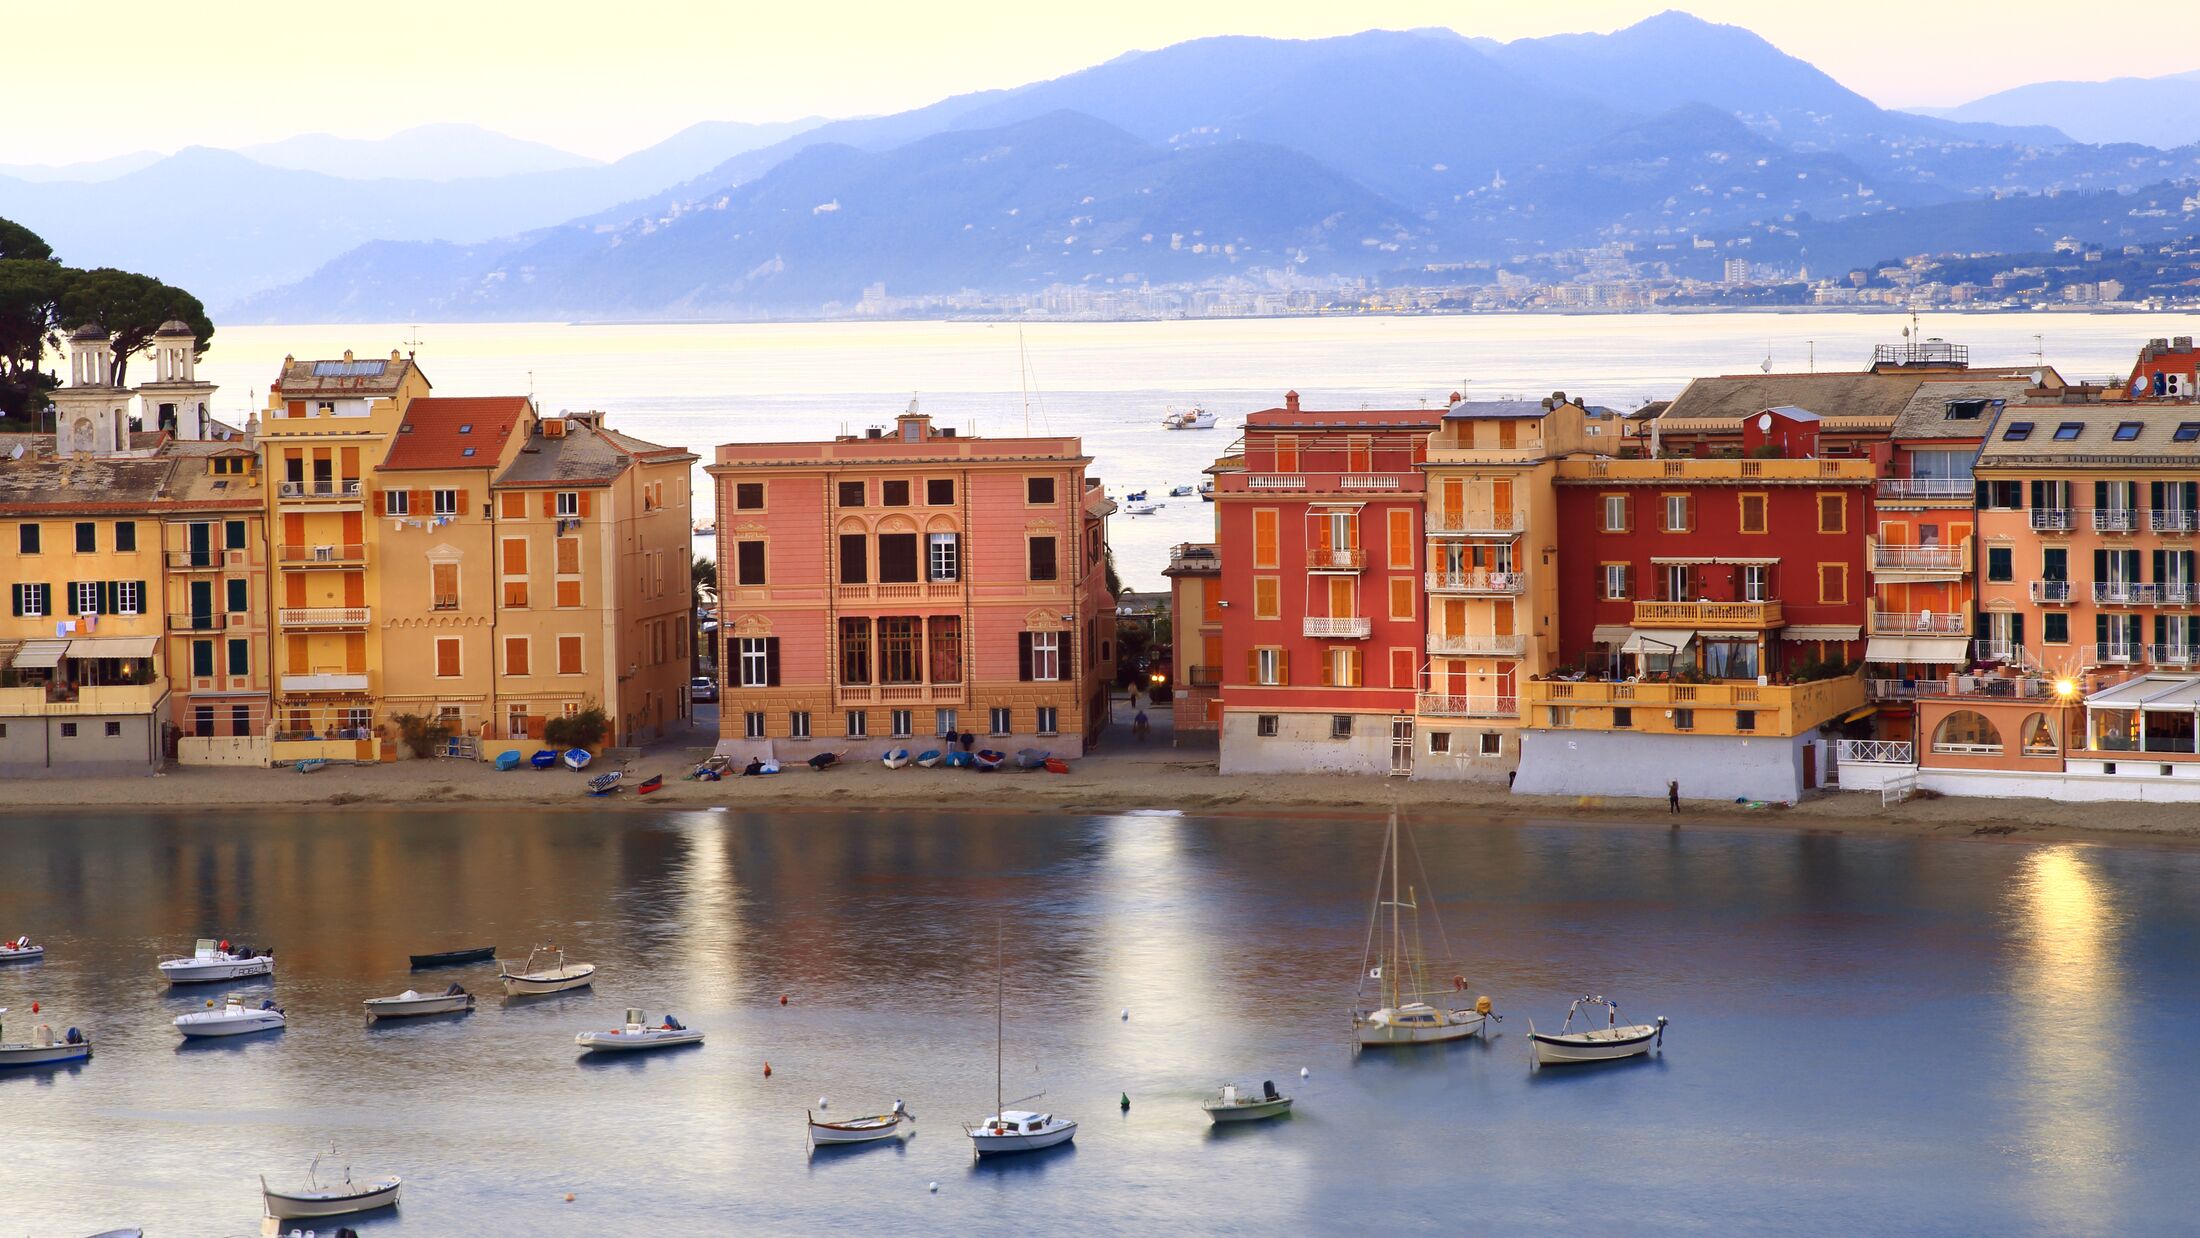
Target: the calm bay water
(1869, 1035)
(702, 385)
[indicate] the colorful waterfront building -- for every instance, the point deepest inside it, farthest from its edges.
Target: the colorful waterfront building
(2166, 370)
(894, 588)
(1710, 615)
(1319, 527)
(1490, 586)
(214, 545)
(1195, 616)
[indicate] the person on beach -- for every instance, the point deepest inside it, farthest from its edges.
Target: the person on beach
(1673, 795)
(1140, 728)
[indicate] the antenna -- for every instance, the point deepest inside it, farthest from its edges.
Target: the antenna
(413, 345)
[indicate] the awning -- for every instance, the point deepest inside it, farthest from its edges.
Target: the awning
(1822, 631)
(1749, 560)
(1749, 636)
(40, 654)
(2174, 693)
(1611, 634)
(1681, 560)
(1668, 641)
(1935, 650)
(113, 646)
(1862, 711)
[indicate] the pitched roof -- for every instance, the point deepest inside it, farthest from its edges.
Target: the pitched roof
(45, 484)
(456, 432)
(2151, 443)
(347, 376)
(586, 454)
(1731, 397)
(1927, 413)
(1497, 410)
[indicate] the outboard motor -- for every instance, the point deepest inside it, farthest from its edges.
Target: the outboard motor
(454, 991)
(1269, 1087)
(75, 1037)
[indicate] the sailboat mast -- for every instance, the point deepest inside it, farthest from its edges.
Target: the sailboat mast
(1000, 1006)
(1397, 940)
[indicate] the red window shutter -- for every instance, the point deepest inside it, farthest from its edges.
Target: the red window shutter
(584, 502)
(1252, 666)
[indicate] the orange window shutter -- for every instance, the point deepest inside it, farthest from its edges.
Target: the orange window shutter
(1321, 536)
(1252, 666)
(348, 460)
(1283, 666)
(1359, 668)
(294, 654)
(569, 593)
(1210, 598)
(515, 556)
(355, 531)
(355, 589)
(1329, 660)
(1401, 538)
(294, 589)
(355, 655)
(585, 496)
(423, 503)
(515, 657)
(1401, 668)
(297, 408)
(294, 529)
(1352, 532)
(549, 503)
(534, 727)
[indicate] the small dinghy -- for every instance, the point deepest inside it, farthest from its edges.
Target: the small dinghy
(1030, 758)
(545, 971)
(655, 782)
(987, 760)
(329, 1199)
(507, 761)
(413, 1002)
(960, 760)
(211, 961)
(312, 765)
(895, 758)
(577, 758)
(545, 759)
(447, 958)
(636, 1034)
(1135, 496)
(1231, 1105)
(44, 1048)
(1609, 1043)
(605, 784)
(823, 761)
(929, 758)
(1206, 492)
(1056, 765)
(21, 950)
(232, 1018)
(712, 769)
(1182, 492)
(859, 1130)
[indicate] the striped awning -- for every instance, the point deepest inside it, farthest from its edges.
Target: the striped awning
(1728, 635)
(40, 654)
(1930, 650)
(1822, 631)
(1612, 634)
(113, 646)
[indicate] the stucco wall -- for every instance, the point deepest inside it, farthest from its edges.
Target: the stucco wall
(1465, 762)
(38, 743)
(1302, 745)
(1707, 766)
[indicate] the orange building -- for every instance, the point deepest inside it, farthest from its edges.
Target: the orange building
(1195, 614)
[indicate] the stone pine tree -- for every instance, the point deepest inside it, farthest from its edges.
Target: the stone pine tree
(41, 300)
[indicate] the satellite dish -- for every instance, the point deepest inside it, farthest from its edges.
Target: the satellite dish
(1764, 421)
(2038, 377)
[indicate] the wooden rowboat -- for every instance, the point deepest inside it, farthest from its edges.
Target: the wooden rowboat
(545, 759)
(448, 958)
(859, 1130)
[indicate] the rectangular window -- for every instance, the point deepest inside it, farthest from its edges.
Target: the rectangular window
(113, 730)
(748, 495)
(1264, 725)
(1562, 715)
(1267, 597)
(1040, 656)
(1265, 552)
(1401, 539)
(1753, 513)
(569, 655)
(1833, 513)
(858, 722)
(1042, 566)
(443, 585)
(1615, 582)
(1623, 716)
(1745, 719)
(855, 559)
(1439, 742)
(2126, 431)
(125, 535)
(855, 650)
(945, 560)
(944, 723)
(567, 503)
(1048, 723)
(26, 539)
(68, 730)
(128, 600)
(397, 502)
(2055, 627)
(446, 502)
(1684, 719)
(1676, 513)
(748, 560)
(1833, 583)
(1493, 744)
(240, 596)
(897, 558)
(849, 493)
(1401, 597)
(798, 724)
(893, 494)
(87, 537)
(1756, 582)
(939, 492)
(29, 601)
(903, 721)
(1268, 667)
(2017, 432)
(757, 658)
(2068, 431)
(1002, 716)
(900, 650)
(1038, 490)
(1340, 726)
(2000, 563)
(86, 597)
(569, 556)
(447, 663)
(1615, 513)
(944, 636)
(752, 724)
(240, 657)
(202, 659)
(515, 655)
(233, 534)
(512, 505)
(2186, 432)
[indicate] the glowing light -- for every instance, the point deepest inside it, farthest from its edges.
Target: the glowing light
(2066, 688)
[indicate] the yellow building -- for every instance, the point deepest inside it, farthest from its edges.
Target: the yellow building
(213, 539)
(1492, 580)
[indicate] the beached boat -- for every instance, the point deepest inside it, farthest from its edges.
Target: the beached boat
(447, 958)
(1411, 1011)
(606, 783)
(316, 1198)
(231, 1017)
(312, 765)
(21, 950)
(929, 758)
(1056, 765)
(960, 760)
(213, 960)
(822, 761)
(1012, 1130)
(859, 1130)
(507, 761)
(577, 758)
(712, 769)
(1609, 1043)
(1231, 1105)
(759, 767)
(636, 1034)
(412, 1002)
(1030, 758)
(44, 1048)
(895, 758)
(1193, 418)
(545, 759)
(545, 971)
(655, 782)
(987, 760)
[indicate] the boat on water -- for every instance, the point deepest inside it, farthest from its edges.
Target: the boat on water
(895, 758)
(1182, 492)
(1031, 758)
(1140, 508)
(545, 759)
(706, 528)
(1193, 418)
(447, 958)
(44, 1048)
(1410, 1009)
(231, 1017)
(987, 760)
(336, 1198)
(412, 1002)
(545, 971)
(577, 758)
(637, 1033)
(606, 783)
(1231, 1105)
(21, 950)
(1135, 496)
(929, 758)
(1206, 492)
(1610, 1043)
(870, 1129)
(312, 765)
(1012, 1130)
(212, 960)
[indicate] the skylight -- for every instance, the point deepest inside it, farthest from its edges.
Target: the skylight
(2186, 432)
(2068, 431)
(468, 452)
(2018, 431)
(468, 428)
(2126, 431)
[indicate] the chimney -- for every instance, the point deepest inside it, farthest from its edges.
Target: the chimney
(347, 354)
(1291, 401)
(1455, 398)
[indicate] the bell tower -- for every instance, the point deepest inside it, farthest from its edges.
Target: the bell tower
(91, 415)
(176, 401)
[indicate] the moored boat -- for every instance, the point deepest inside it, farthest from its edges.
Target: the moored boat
(859, 1130)
(637, 1033)
(577, 758)
(212, 960)
(1181, 492)
(231, 1018)
(1411, 1010)
(44, 1048)
(1012, 1130)
(1206, 492)
(329, 1199)
(1193, 418)
(1231, 1105)
(1610, 1043)
(21, 950)
(446, 958)
(412, 1002)
(895, 758)
(545, 971)
(1135, 496)
(1139, 507)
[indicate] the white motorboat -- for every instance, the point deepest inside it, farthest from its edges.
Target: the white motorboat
(232, 1018)
(44, 1048)
(1609, 1043)
(636, 1033)
(1141, 509)
(413, 1002)
(545, 971)
(860, 1130)
(20, 951)
(1193, 418)
(1012, 1130)
(1231, 1105)
(213, 960)
(1411, 1011)
(329, 1199)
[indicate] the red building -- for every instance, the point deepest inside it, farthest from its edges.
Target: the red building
(1320, 541)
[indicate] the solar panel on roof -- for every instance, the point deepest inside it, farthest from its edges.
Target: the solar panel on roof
(348, 369)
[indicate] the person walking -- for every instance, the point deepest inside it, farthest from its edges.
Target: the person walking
(1673, 796)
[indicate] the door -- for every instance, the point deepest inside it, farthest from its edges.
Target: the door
(1401, 747)
(202, 545)
(1501, 617)
(1810, 766)
(1501, 503)
(1455, 502)
(1507, 676)
(202, 601)
(1455, 618)
(1340, 598)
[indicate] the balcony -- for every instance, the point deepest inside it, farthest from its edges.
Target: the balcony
(1194, 559)
(2054, 519)
(2173, 655)
(1368, 481)
(1926, 489)
(1476, 646)
(1356, 628)
(1878, 752)
(1919, 623)
(332, 555)
(1922, 562)
(1476, 524)
(1335, 559)
(1987, 649)
(204, 560)
(899, 694)
(1756, 616)
(2142, 593)
(2173, 520)
(1783, 710)
(321, 488)
(1488, 583)
(900, 591)
(212, 621)
(1904, 689)
(2115, 519)
(323, 616)
(2051, 592)
(76, 701)
(1275, 481)
(2114, 654)
(1203, 676)
(326, 681)
(1444, 705)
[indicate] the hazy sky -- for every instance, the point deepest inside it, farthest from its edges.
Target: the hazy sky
(604, 79)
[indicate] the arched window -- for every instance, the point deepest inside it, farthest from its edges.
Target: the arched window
(1966, 731)
(2037, 737)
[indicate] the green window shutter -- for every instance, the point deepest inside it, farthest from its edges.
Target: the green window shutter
(2016, 630)
(202, 658)
(240, 657)
(239, 598)
(233, 534)
(15, 599)
(72, 599)
(106, 597)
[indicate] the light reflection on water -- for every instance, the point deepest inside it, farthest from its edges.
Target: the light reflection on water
(1868, 1034)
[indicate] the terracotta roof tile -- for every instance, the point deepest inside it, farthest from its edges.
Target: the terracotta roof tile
(439, 432)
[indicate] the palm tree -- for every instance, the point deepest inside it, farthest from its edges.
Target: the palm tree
(702, 596)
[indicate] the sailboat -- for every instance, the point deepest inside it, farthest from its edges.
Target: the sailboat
(1410, 1011)
(1012, 1130)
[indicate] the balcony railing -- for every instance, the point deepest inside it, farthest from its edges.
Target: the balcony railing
(2173, 520)
(2173, 655)
(215, 621)
(1275, 481)
(1475, 581)
(2142, 593)
(1335, 559)
(1905, 689)
(1445, 705)
(291, 556)
(204, 560)
(1350, 628)
(2051, 592)
(326, 681)
(337, 488)
(2054, 519)
(1921, 558)
(2115, 519)
(2113, 654)
(1754, 615)
(1203, 676)
(1195, 557)
(323, 616)
(1368, 481)
(1440, 521)
(1919, 623)
(1897, 489)
(1476, 646)
(1878, 752)
(1986, 649)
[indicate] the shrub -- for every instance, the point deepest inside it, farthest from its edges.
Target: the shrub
(423, 736)
(585, 729)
